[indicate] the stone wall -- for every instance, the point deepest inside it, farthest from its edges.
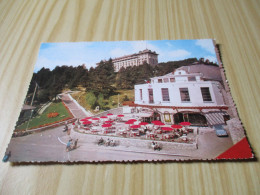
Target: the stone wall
(138, 143)
(235, 129)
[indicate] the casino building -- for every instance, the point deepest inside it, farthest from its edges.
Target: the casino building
(136, 59)
(192, 93)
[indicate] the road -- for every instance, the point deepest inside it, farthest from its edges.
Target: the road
(45, 146)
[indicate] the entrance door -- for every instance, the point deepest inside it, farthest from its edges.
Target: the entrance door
(178, 118)
(150, 92)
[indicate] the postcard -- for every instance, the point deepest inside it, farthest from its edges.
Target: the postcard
(128, 101)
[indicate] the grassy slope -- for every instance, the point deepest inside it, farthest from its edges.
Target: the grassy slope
(43, 119)
(111, 103)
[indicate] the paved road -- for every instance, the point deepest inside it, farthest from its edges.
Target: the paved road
(74, 108)
(45, 146)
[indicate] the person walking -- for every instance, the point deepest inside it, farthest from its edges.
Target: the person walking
(65, 128)
(68, 146)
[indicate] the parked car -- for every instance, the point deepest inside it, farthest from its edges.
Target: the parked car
(220, 131)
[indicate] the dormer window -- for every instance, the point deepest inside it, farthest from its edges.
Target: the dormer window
(191, 78)
(166, 80)
(159, 80)
(172, 80)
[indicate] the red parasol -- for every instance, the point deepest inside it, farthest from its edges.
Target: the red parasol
(159, 123)
(135, 126)
(120, 115)
(95, 119)
(109, 114)
(103, 117)
(166, 128)
(106, 125)
(176, 126)
(185, 123)
(132, 120)
(83, 119)
(109, 121)
(143, 123)
(156, 122)
(88, 117)
(87, 122)
(129, 122)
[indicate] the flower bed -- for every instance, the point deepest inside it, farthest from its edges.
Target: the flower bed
(52, 114)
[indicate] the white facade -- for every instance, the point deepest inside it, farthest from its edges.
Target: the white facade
(180, 89)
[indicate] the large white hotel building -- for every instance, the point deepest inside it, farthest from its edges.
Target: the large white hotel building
(191, 93)
(136, 59)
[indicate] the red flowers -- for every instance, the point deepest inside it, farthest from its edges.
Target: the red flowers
(52, 114)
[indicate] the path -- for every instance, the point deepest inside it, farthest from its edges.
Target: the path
(73, 107)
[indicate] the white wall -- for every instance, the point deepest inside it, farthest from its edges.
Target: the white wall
(174, 93)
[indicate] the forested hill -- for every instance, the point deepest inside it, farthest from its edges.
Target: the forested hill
(101, 79)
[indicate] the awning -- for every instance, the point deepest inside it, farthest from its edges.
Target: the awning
(215, 118)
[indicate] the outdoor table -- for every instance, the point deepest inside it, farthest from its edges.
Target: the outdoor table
(134, 133)
(152, 135)
(106, 131)
(94, 131)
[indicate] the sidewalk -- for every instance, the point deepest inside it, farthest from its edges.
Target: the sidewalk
(74, 108)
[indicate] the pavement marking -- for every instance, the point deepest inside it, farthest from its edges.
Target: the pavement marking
(61, 141)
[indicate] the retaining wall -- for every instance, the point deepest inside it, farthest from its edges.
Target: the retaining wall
(132, 142)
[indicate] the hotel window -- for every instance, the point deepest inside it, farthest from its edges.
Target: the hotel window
(172, 80)
(165, 94)
(185, 97)
(165, 80)
(191, 78)
(150, 93)
(205, 94)
(159, 80)
(141, 94)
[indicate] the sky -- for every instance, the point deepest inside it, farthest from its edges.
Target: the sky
(90, 53)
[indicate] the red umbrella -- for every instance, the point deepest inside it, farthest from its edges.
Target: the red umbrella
(156, 122)
(109, 121)
(88, 117)
(167, 128)
(120, 115)
(185, 123)
(83, 119)
(176, 126)
(95, 119)
(132, 120)
(143, 123)
(159, 123)
(87, 122)
(109, 114)
(103, 117)
(135, 126)
(129, 122)
(107, 125)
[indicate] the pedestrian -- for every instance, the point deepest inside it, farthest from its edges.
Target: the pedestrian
(65, 128)
(68, 146)
(75, 143)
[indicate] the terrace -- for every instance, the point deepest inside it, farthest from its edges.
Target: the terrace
(127, 126)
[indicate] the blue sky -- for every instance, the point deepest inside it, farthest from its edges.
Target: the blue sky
(89, 53)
